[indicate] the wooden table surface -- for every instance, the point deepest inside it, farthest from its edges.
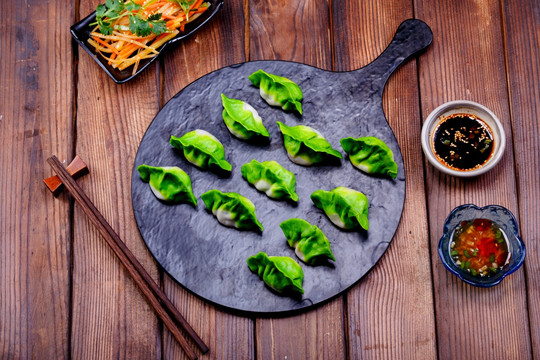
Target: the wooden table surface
(63, 294)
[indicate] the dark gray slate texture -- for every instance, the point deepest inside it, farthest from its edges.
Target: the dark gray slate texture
(210, 259)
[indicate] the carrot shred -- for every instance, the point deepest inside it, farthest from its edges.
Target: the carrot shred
(128, 50)
(105, 44)
(173, 24)
(196, 4)
(112, 57)
(154, 6)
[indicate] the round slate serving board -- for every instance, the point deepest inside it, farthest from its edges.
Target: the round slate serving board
(208, 258)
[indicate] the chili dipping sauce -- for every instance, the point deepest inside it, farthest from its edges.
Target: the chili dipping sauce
(462, 142)
(480, 247)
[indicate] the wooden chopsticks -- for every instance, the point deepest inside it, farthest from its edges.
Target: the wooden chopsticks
(155, 296)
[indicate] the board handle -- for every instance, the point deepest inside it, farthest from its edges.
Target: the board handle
(412, 36)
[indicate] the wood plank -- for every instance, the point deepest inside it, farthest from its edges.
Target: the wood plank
(317, 334)
(467, 62)
(219, 43)
(297, 30)
(111, 318)
(522, 34)
(35, 240)
(391, 310)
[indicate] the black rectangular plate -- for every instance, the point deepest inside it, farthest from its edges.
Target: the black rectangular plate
(81, 32)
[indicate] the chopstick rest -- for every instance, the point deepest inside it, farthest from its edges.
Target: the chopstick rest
(76, 169)
(163, 307)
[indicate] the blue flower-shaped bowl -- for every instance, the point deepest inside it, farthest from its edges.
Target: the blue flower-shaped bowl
(508, 224)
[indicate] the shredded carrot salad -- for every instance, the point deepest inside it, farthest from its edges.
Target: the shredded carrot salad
(127, 32)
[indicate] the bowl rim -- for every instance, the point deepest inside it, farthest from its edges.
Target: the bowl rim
(438, 113)
(513, 237)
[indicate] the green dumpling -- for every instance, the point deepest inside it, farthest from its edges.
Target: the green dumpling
(202, 149)
(305, 145)
(281, 273)
(168, 183)
(278, 91)
(271, 178)
(309, 242)
(346, 208)
(232, 209)
(242, 120)
(371, 155)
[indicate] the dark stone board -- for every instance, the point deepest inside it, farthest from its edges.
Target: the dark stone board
(208, 258)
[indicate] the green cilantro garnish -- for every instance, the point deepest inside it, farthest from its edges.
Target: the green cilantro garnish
(105, 27)
(138, 26)
(114, 9)
(158, 25)
(110, 10)
(185, 4)
(141, 27)
(130, 6)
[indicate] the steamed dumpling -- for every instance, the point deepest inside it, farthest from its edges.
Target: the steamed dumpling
(281, 273)
(202, 149)
(232, 209)
(305, 145)
(346, 208)
(371, 155)
(168, 183)
(309, 242)
(271, 178)
(242, 120)
(278, 91)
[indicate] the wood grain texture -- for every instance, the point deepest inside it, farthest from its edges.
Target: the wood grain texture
(465, 34)
(111, 319)
(396, 296)
(523, 64)
(34, 226)
(297, 30)
(220, 43)
(317, 334)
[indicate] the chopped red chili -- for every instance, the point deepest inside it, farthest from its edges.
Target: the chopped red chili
(480, 247)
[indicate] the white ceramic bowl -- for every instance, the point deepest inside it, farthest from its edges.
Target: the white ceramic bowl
(463, 107)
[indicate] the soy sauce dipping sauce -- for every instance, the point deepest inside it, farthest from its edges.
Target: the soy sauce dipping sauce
(463, 142)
